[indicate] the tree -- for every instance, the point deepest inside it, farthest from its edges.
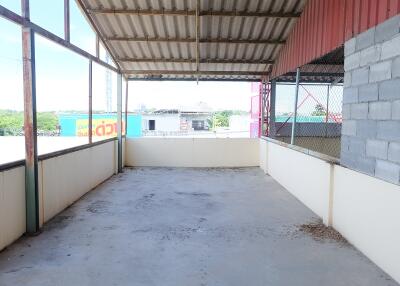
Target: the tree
(47, 121)
(319, 110)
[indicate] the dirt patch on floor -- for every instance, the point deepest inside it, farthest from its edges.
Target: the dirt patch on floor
(320, 232)
(98, 207)
(58, 222)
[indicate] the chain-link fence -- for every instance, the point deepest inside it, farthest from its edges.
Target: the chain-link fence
(318, 120)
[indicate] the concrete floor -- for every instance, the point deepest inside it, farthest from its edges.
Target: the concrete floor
(183, 227)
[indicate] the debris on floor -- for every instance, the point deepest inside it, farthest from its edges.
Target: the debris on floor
(320, 232)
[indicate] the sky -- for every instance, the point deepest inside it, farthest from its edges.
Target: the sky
(62, 76)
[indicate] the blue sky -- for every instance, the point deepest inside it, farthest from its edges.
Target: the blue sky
(62, 75)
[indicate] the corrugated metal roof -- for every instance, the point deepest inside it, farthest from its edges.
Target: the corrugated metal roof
(238, 39)
(325, 26)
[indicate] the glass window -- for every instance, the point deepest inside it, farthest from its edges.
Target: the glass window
(105, 56)
(62, 82)
(134, 127)
(123, 105)
(13, 5)
(48, 14)
(82, 34)
(104, 103)
(11, 93)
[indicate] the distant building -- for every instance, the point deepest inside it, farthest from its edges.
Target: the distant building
(185, 119)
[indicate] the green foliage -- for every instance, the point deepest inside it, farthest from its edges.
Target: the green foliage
(319, 110)
(11, 119)
(46, 121)
(221, 118)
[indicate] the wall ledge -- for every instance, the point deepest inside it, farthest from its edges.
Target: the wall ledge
(326, 158)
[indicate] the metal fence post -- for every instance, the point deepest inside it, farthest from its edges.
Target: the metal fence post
(296, 99)
(262, 107)
(119, 120)
(327, 110)
(30, 126)
(272, 113)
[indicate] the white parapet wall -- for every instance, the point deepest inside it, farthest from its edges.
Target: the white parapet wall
(12, 205)
(63, 179)
(363, 208)
(66, 178)
(192, 152)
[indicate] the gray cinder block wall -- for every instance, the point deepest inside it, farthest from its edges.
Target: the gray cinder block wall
(371, 102)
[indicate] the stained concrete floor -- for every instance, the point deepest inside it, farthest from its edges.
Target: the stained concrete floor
(183, 227)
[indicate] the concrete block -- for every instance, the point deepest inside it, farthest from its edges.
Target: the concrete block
(394, 152)
(366, 129)
(355, 162)
(368, 92)
(365, 39)
(349, 127)
(366, 165)
(396, 110)
(346, 111)
(352, 61)
(380, 71)
(347, 79)
(357, 146)
(388, 130)
(391, 48)
(387, 171)
(370, 55)
(359, 111)
(377, 149)
(395, 67)
(360, 76)
(348, 159)
(350, 47)
(350, 95)
(389, 90)
(345, 143)
(388, 29)
(380, 110)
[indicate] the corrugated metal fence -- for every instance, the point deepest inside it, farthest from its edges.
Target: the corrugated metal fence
(327, 24)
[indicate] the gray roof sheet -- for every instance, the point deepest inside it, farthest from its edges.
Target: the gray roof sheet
(230, 47)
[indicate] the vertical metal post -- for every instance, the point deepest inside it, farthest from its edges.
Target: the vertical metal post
(272, 113)
(327, 110)
(119, 121)
(126, 107)
(97, 46)
(327, 103)
(30, 127)
(263, 90)
(197, 40)
(296, 99)
(67, 35)
(90, 123)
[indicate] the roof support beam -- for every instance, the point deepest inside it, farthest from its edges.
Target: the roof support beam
(197, 38)
(153, 12)
(193, 73)
(193, 61)
(188, 40)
